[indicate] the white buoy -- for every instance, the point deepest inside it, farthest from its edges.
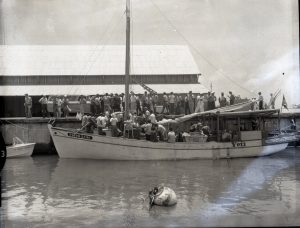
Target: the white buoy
(162, 196)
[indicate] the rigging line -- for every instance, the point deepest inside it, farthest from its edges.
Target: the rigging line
(196, 50)
(101, 50)
(103, 41)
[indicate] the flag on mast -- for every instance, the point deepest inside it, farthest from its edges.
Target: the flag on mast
(284, 104)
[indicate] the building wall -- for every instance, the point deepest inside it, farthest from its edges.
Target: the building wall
(95, 79)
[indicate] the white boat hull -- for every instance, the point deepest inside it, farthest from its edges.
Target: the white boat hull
(91, 146)
(20, 150)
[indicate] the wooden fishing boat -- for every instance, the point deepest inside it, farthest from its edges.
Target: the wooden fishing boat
(19, 149)
(70, 143)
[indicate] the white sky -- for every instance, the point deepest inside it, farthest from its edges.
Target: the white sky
(252, 42)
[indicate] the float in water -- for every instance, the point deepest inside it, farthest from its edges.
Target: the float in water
(162, 196)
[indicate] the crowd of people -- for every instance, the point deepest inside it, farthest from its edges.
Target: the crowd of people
(173, 104)
(145, 126)
(106, 113)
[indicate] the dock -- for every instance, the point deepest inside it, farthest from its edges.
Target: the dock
(34, 130)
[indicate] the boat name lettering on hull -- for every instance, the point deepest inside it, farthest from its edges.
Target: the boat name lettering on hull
(240, 144)
(79, 136)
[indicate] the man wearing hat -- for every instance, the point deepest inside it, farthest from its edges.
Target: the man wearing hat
(28, 106)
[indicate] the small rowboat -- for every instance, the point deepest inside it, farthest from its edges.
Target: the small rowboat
(19, 149)
(162, 196)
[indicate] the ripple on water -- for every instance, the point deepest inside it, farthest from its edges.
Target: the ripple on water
(47, 191)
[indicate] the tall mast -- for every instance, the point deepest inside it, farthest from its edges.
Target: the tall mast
(127, 60)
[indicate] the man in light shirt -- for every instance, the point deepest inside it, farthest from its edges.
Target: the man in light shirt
(113, 122)
(101, 123)
(161, 130)
(172, 103)
(171, 136)
(152, 118)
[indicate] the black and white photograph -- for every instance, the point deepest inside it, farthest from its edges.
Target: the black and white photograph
(149, 113)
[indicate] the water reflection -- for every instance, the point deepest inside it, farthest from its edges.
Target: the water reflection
(47, 191)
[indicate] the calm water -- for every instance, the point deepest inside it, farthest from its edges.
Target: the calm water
(45, 191)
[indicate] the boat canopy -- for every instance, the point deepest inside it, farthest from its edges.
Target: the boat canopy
(231, 108)
(229, 113)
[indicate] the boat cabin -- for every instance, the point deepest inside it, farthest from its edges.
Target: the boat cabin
(241, 125)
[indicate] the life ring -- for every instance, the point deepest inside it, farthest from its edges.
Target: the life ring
(162, 196)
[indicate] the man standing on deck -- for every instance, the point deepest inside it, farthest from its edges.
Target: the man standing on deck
(172, 103)
(260, 101)
(212, 101)
(165, 103)
(98, 104)
(231, 98)
(59, 102)
(93, 105)
(106, 101)
(154, 102)
(186, 106)
(272, 102)
(191, 101)
(209, 98)
(114, 128)
(65, 106)
(133, 102)
(222, 100)
(43, 101)
(117, 103)
(28, 106)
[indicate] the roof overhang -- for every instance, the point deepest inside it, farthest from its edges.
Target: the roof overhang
(97, 89)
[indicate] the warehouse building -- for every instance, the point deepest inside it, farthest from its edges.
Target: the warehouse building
(75, 70)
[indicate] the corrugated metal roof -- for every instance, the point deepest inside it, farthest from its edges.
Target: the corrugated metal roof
(94, 89)
(95, 60)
